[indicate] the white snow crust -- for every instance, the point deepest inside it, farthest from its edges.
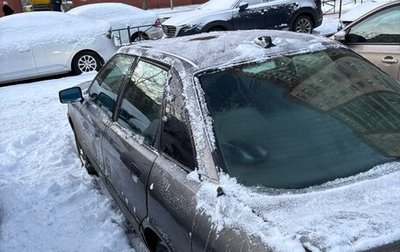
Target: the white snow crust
(44, 26)
(47, 200)
(119, 15)
(349, 214)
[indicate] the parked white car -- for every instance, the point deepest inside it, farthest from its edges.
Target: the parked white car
(46, 43)
(144, 24)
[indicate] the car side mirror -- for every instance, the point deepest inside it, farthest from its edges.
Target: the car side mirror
(243, 6)
(340, 36)
(70, 95)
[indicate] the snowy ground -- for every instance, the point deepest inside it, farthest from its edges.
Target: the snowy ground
(47, 201)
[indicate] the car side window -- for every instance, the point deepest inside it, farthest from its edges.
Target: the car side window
(176, 138)
(140, 109)
(383, 28)
(105, 87)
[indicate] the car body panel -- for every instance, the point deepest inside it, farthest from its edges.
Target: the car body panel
(26, 64)
(388, 61)
(171, 187)
(48, 43)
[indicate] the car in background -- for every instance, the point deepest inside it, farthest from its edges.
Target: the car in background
(359, 11)
(45, 43)
(144, 24)
(245, 141)
(376, 36)
(216, 15)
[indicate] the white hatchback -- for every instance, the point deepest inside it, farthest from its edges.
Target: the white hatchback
(46, 43)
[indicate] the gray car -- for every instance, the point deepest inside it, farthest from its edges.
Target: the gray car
(245, 141)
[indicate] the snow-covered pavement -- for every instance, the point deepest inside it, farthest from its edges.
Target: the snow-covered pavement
(47, 200)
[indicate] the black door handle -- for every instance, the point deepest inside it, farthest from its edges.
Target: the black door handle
(130, 164)
(135, 170)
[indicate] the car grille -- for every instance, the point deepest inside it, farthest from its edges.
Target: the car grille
(169, 31)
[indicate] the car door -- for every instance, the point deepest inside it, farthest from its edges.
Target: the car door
(250, 17)
(97, 110)
(129, 151)
(278, 13)
(16, 62)
(377, 38)
(171, 194)
(53, 56)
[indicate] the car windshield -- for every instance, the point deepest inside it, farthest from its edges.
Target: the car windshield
(302, 120)
(218, 4)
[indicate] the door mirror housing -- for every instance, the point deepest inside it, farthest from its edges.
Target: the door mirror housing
(340, 36)
(70, 95)
(243, 6)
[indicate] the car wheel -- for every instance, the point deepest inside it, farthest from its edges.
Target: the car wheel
(85, 62)
(84, 159)
(139, 36)
(303, 24)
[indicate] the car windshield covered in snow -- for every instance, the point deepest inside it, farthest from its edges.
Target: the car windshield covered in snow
(302, 120)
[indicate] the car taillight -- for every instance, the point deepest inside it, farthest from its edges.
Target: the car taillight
(158, 22)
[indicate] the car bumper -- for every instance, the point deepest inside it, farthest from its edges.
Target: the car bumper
(155, 32)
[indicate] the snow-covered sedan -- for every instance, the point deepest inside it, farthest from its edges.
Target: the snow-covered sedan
(144, 24)
(46, 43)
(218, 15)
(245, 141)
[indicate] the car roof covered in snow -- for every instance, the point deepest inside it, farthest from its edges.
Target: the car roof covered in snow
(217, 49)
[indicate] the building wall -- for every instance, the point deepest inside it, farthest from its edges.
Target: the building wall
(139, 3)
(14, 4)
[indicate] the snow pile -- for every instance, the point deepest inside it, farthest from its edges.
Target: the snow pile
(49, 27)
(119, 15)
(47, 200)
(350, 214)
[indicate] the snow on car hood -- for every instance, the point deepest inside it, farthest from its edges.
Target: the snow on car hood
(117, 14)
(349, 214)
(24, 29)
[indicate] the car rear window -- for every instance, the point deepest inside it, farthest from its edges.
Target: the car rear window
(302, 120)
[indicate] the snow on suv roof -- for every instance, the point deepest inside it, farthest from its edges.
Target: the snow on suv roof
(214, 49)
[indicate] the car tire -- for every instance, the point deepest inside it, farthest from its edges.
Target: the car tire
(86, 61)
(85, 160)
(303, 24)
(139, 36)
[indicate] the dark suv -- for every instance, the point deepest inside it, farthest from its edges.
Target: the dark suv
(218, 15)
(245, 141)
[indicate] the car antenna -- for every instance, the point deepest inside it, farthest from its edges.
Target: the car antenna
(264, 41)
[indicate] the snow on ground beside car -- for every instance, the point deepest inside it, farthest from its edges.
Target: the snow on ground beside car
(351, 214)
(47, 200)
